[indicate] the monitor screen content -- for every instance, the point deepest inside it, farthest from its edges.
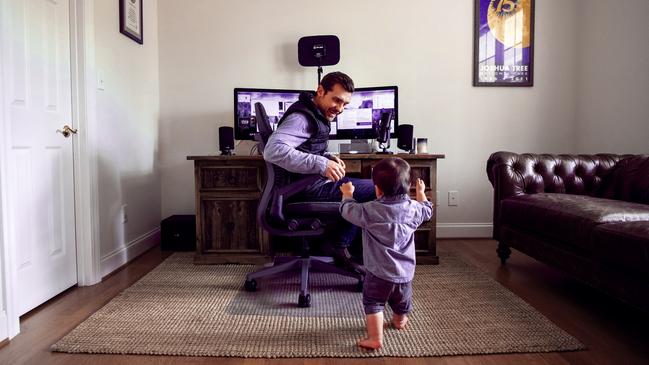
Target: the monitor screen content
(362, 115)
(275, 102)
(359, 119)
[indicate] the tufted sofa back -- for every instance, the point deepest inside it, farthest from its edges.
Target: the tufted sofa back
(514, 174)
(529, 173)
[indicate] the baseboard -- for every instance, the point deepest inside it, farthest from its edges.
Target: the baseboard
(464, 230)
(133, 249)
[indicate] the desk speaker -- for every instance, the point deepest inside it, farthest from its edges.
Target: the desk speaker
(226, 140)
(405, 137)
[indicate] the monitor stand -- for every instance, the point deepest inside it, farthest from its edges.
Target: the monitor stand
(356, 146)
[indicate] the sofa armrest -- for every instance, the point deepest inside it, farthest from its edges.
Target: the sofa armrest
(513, 174)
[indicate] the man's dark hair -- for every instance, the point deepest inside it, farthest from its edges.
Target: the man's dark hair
(392, 176)
(333, 78)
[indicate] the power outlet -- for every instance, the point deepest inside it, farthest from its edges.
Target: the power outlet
(453, 198)
(124, 214)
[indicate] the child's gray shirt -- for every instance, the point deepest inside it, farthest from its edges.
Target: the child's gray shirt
(388, 227)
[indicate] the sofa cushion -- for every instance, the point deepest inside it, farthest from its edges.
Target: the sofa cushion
(623, 244)
(565, 217)
(629, 180)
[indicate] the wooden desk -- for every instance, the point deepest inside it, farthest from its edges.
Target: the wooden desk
(228, 190)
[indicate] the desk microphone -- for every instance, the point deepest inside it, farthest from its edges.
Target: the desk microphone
(383, 132)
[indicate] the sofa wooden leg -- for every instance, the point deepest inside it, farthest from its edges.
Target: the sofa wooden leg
(503, 252)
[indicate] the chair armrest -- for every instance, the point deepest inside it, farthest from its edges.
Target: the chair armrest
(285, 192)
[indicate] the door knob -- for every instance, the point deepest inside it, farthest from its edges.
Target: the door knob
(67, 131)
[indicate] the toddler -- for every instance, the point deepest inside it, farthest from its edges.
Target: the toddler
(388, 225)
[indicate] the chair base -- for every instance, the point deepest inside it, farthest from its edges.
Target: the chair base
(302, 264)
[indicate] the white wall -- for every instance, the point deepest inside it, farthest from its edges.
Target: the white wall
(4, 247)
(613, 104)
(127, 135)
(209, 47)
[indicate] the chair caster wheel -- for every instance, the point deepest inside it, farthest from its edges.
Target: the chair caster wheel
(250, 285)
(359, 286)
(304, 301)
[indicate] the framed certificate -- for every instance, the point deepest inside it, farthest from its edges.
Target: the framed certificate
(130, 19)
(503, 40)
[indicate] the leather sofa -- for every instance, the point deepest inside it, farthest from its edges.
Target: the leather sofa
(587, 215)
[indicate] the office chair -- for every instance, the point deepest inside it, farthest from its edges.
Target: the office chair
(306, 220)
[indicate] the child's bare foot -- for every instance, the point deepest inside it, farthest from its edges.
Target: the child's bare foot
(369, 343)
(399, 321)
(374, 332)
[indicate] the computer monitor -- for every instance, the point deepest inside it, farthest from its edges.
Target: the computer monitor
(362, 115)
(359, 120)
(275, 101)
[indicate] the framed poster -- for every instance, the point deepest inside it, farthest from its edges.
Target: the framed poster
(503, 41)
(130, 19)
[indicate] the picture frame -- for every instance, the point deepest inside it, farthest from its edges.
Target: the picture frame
(131, 19)
(503, 41)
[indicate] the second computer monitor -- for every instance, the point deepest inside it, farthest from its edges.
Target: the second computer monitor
(362, 115)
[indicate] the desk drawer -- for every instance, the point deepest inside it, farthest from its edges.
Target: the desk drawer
(230, 178)
(353, 166)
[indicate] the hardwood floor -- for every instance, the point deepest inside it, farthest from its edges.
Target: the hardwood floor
(614, 333)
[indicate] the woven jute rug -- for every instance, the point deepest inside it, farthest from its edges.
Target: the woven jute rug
(202, 310)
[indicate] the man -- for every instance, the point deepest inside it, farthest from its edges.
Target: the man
(299, 145)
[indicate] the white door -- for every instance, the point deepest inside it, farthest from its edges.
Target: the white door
(37, 102)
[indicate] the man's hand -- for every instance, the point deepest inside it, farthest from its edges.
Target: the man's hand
(334, 171)
(420, 188)
(348, 190)
(337, 159)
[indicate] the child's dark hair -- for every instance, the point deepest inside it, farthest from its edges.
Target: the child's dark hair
(392, 176)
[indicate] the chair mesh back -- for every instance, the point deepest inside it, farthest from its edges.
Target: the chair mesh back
(263, 124)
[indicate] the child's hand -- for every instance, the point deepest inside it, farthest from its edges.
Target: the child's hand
(420, 188)
(420, 185)
(347, 189)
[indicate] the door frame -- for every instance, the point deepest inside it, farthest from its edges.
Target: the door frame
(84, 86)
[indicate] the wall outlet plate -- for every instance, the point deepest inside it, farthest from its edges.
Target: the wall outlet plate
(453, 198)
(101, 80)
